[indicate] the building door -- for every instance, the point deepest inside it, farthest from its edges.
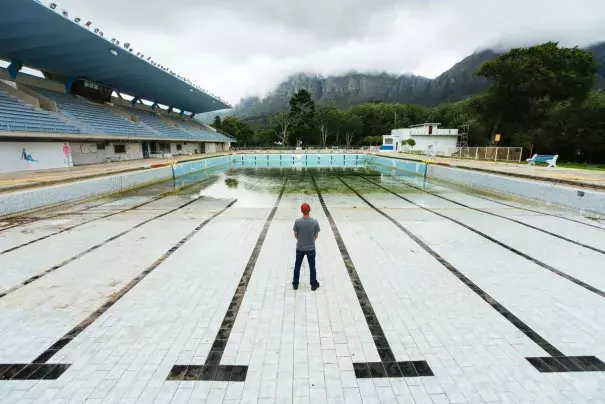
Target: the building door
(145, 149)
(396, 145)
(430, 129)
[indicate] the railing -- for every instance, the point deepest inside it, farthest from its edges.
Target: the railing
(425, 131)
(512, 154)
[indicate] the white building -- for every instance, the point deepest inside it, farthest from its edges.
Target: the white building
(428, 136)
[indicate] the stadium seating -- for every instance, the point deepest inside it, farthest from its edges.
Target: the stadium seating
(206, 134)
(202, 135)
(21, 117)
(153, 121)
(95, 118)
(99, 118)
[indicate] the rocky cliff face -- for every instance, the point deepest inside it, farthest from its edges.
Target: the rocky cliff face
(455, 84)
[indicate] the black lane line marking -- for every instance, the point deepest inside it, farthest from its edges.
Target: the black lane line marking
(388, 365)
(522, 208)
(557, 357)
(32, 371)
(493, 240)
(56, 215)
(46, 370)
(81, 224)
(161, 196)
(212, 369)
(83, 253)
(504, 217)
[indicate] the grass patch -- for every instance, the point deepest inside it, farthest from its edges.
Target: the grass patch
(583, 166)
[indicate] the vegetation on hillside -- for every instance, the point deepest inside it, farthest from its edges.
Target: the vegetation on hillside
(540, 97)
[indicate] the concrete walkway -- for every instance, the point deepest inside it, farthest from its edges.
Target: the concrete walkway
(572, 176)
(30, 179)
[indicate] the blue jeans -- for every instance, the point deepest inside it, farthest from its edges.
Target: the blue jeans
(299, 259)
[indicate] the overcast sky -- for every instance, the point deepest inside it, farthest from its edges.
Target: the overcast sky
(236, 48)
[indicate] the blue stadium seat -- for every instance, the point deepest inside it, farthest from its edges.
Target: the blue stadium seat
(20, 117)
(99, 118)
(204, 134)
(152, 120)
(96, 118)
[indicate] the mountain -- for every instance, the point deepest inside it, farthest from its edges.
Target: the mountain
(455, 84)
(459, 81)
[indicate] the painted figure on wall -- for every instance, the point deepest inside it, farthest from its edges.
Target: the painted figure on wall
(27, 157)
(66, 151)
(67, 154)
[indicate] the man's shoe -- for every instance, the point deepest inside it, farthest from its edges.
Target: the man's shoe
(295, 287)
(314, 287)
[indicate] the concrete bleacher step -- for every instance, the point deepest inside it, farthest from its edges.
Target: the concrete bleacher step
(19, 116)
(97, 117)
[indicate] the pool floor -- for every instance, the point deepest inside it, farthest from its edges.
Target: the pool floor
(429, 294)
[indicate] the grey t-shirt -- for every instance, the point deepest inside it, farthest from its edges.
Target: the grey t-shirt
(306, 229)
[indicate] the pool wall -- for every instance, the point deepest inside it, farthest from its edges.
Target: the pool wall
(582, 200)
(579, 199)
(300, 160)
(78, 191)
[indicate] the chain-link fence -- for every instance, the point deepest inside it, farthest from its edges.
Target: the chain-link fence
(489, 153)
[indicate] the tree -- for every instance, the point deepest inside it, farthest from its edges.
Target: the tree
(237, 129)
(452, 114)
(230, 126)
(302, 112)
(410, 142)
(528, 81)
(283, 121)
(326, 115)
(216, 124)
(351, 124)
(244, 133)
(264, 137)
(575, 133)
(372, 140)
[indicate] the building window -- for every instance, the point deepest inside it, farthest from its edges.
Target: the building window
(87, 148)
(119, 148)
(179, 146)
(100, 146)
(91, 85)
(388, 140)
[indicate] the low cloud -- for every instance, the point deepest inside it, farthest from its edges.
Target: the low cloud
(236, 48)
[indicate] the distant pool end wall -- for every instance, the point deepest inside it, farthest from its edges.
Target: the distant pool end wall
(78, 191)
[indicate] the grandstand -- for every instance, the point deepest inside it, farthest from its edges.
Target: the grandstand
(78, 112)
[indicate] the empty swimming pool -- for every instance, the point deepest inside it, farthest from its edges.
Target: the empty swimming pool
(181, 291)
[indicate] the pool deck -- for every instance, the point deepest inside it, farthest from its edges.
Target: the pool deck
(155, 298)
(571, 176)
(30, 179)
(36, 178)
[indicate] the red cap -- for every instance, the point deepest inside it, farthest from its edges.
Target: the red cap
(305, 208)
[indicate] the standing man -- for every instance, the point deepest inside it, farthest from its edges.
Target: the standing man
(306, 231)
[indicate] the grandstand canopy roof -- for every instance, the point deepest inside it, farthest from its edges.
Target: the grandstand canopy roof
(38, 37)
